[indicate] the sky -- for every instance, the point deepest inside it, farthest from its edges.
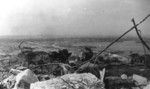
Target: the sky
(72, 17)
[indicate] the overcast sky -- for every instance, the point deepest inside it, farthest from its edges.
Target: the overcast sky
(72, 17)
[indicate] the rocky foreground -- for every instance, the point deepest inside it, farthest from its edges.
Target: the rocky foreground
(28, 80)
(25, 79)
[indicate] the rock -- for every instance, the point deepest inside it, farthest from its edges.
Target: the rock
(25, 76)
(124, 76)
(28, 80)
(147, 87)
(15, 81)
(9, 81)
(14, 71)
(139, 80)
(70, 81)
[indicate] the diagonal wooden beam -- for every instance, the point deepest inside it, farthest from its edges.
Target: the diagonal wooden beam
(139, 35)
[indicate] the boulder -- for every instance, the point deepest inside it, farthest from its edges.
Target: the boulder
(139, 80)
(124, 76)
(28, 80)
(9, 81)
(25, 76)
(70, 81)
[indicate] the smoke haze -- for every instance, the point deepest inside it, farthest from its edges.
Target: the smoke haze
(72, 17)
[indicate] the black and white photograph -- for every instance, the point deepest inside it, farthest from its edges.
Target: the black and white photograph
(74, 44)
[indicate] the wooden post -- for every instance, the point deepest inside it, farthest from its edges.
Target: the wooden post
(135, 26)
(143, 42)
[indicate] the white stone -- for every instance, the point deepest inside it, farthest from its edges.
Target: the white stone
(9, 81)
(77, 81)
(140, 80)
(147, 87)
(27, 75)
(124, 76)
(14, 71)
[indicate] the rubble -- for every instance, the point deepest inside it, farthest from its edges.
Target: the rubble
(139, 80)
(14, 71)
(124, 76)
(127, 76)
(50, 70)
(27, 76)
(28, 80)
(119, 83)
(9, 81)
(70, 81)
